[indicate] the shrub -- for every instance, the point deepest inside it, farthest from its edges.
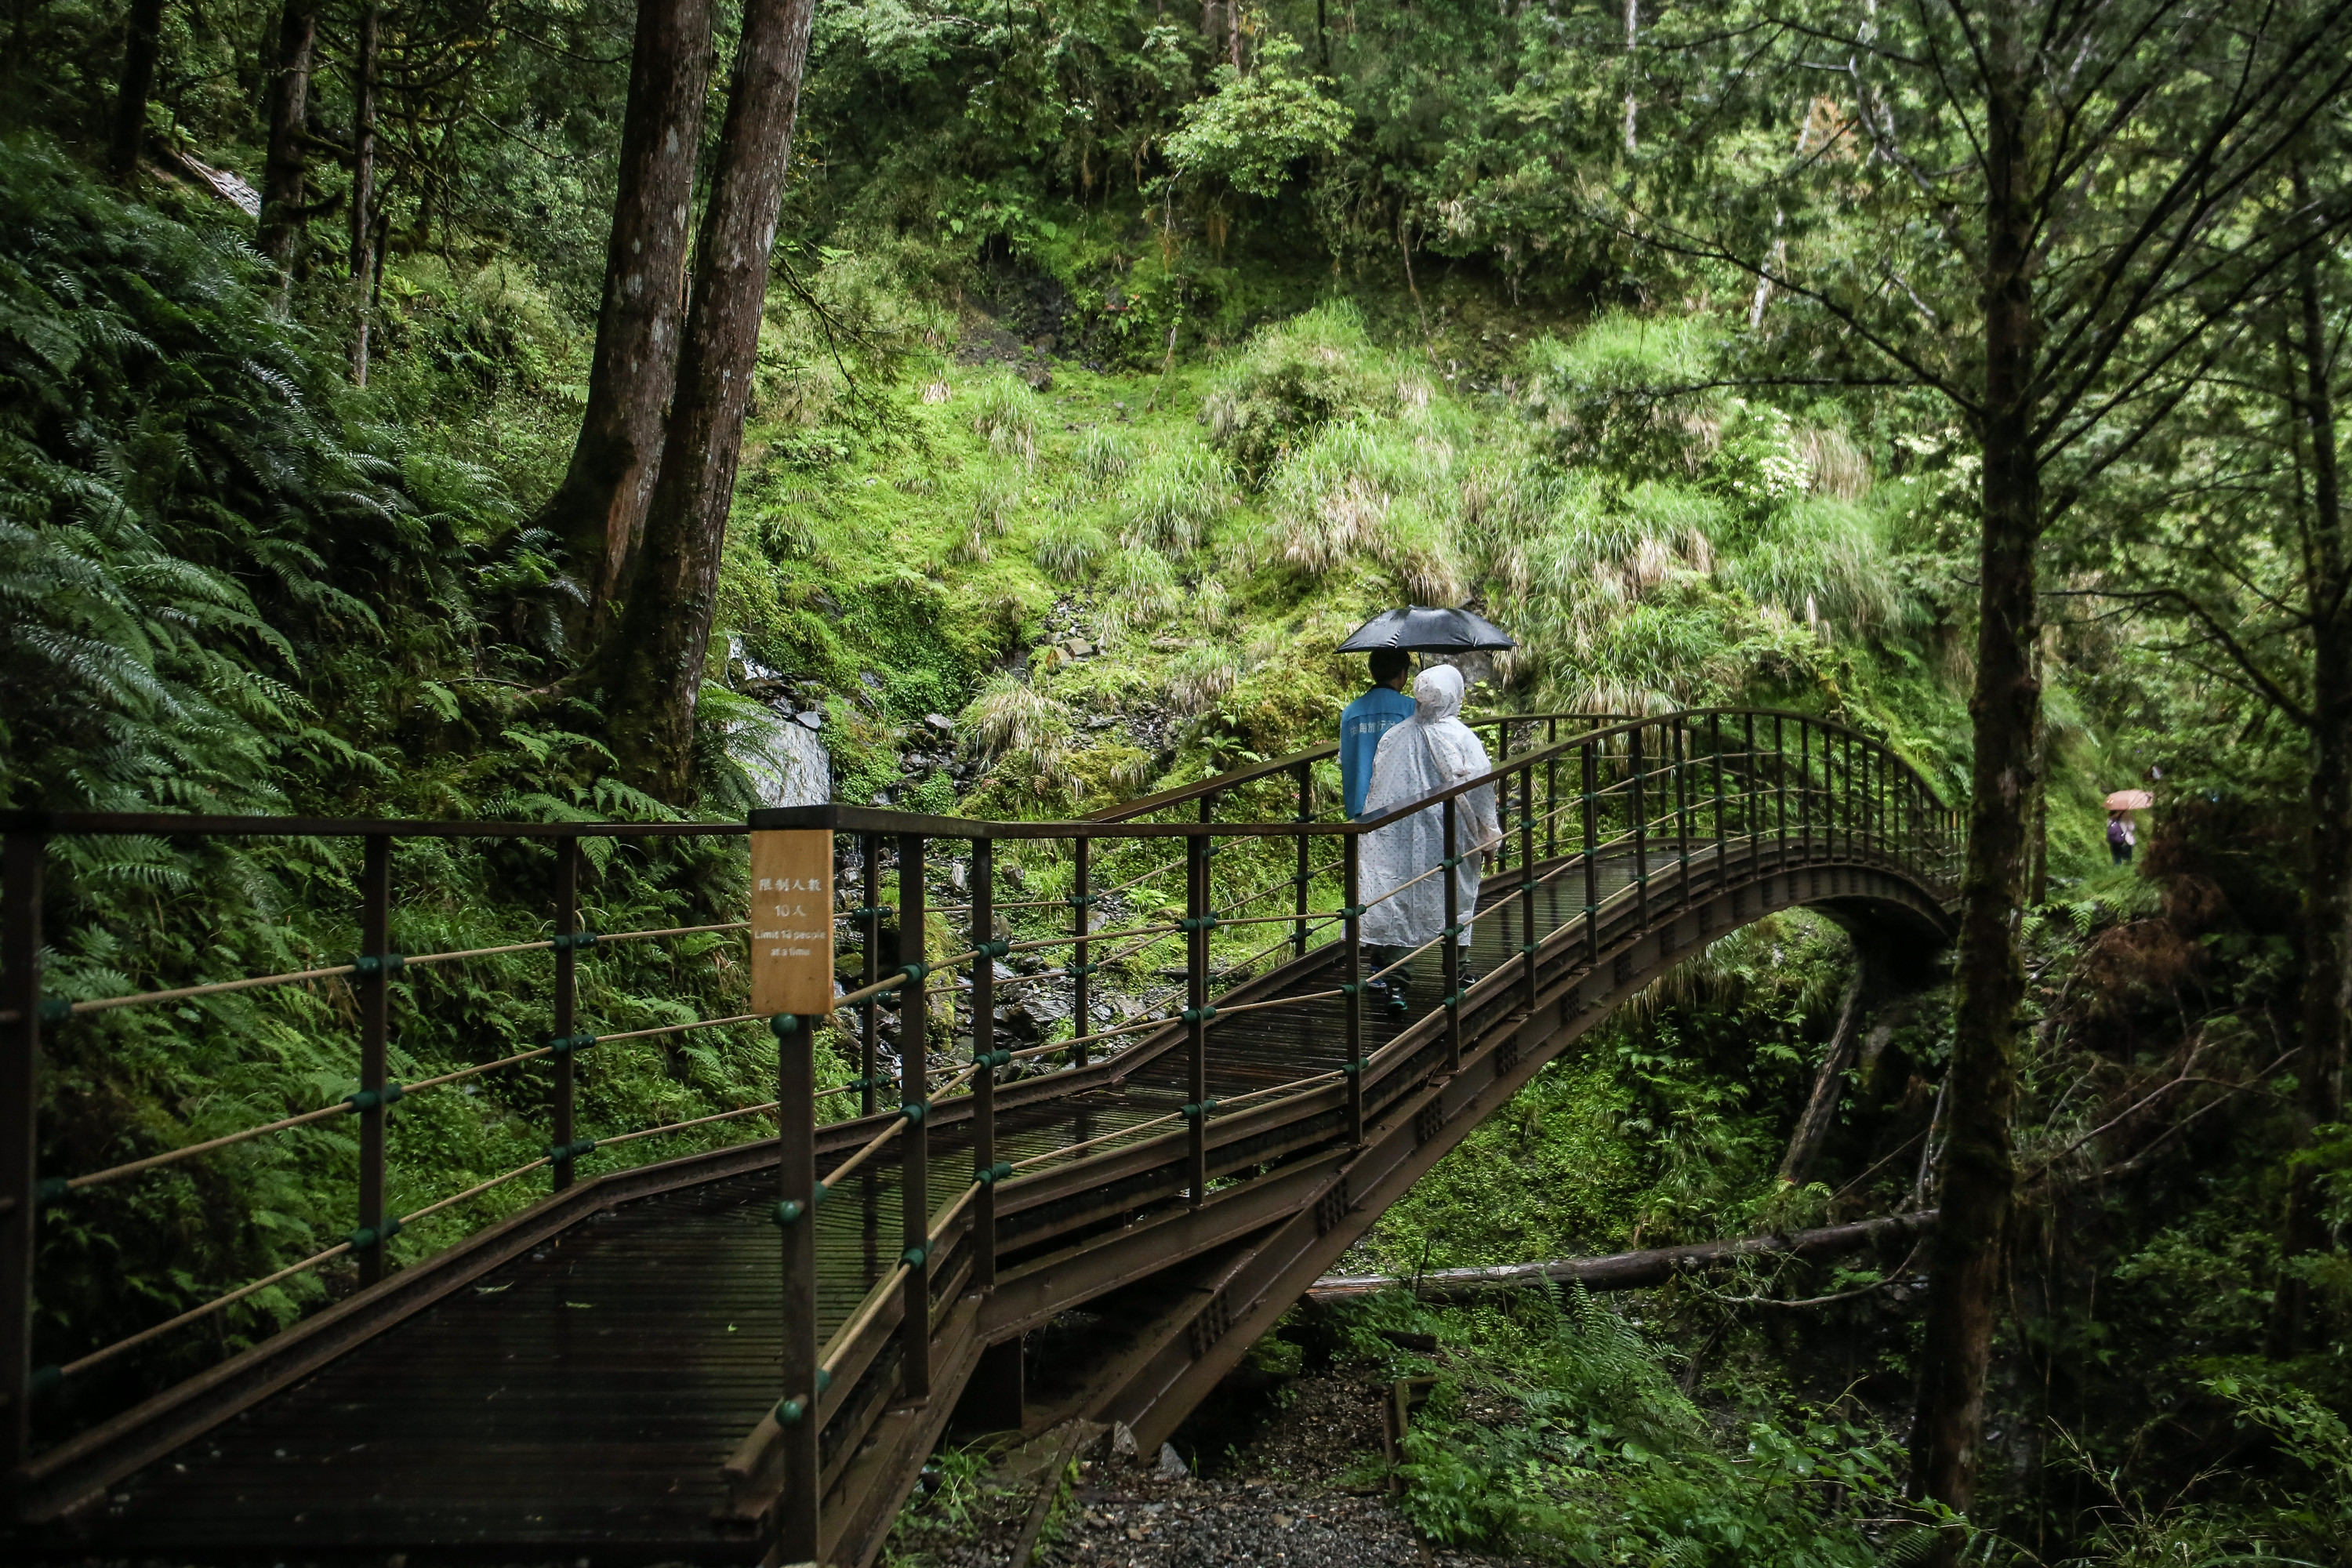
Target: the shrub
(1008, 417)
(1294, 378)
(1617, 395)
(1172, 500)
(1068, 549)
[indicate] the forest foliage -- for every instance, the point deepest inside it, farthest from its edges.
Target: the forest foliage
(1114, 367)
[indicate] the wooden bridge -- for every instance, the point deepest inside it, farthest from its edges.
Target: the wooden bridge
(1098, 1225)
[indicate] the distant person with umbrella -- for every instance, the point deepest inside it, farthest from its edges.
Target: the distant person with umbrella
(1423, 753)
(2122, 836)
(1430, 752)
(1367, 719)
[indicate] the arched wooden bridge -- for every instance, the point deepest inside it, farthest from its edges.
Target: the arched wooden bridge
(1097, 1226)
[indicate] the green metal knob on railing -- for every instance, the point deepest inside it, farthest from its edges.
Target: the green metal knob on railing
(369, 1236)
(786, 1211)
(1198, 1014)
(564, 1045)
(1354, 912)
(1453, 930)
(1529, 947)
(557, 1154)
(914, 1258)
(51, 1190)
(992, 1058)
(790, 1412)
(1078, 969)
(913, 1111)
(915, 970)
(1353, 987)
(989, 1176)
(369, 1098)
(1083, 899)
(1194, 1112)
(1451, 1003)
(824, 1378)
(55, 1009)
(378, 962)
(997, 949)
(1197, 922)
(782, 1025)
(577, 940)
(867, 911)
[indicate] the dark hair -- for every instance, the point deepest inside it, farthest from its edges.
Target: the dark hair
(1388, 663)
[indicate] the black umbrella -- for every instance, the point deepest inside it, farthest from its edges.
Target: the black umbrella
(1419, 629)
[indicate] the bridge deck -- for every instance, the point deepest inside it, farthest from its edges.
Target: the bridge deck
(587, 1394)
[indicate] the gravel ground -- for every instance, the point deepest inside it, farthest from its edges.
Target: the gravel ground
(1300, 1493)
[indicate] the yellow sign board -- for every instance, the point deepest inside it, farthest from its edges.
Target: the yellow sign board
(791, 921)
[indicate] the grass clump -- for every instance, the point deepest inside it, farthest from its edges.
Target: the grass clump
(1294, 378)
(1007, 415)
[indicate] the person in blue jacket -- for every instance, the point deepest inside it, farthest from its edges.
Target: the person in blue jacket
(1370, 717)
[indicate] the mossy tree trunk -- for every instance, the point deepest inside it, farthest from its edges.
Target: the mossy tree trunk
(285, 166)
(144, 41)
(2327, 885)
(1978, 1169)
(599, 509)
(656, 663)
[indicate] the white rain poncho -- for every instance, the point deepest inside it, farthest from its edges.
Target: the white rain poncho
(1429, 752)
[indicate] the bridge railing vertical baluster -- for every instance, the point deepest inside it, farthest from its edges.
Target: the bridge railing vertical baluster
(914, 1144)
(1305, 814)
(1780, 792)
(562, 1079)
(1679, 737)
(21, 864)
(869, 1021)
(1082, 905)
(1503, 795)
(983, 1043)
(1450, 953)
(1638, 817)
(1352, 982)
(1552, 791)
(1196, 998)
(1590, 761)
(1805, 787)
(374, 989)
(1530, 940)
(1714, 772)
(798, 1413)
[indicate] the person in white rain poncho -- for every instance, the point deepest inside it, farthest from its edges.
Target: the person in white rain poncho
(1429, 752)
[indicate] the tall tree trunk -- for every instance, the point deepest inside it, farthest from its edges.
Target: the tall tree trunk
(140, 48)
(599, 511)
(657, 658)
(1978, 1169)
(284, 166)
(1633, 39)
(363, 91)
(2327, 885)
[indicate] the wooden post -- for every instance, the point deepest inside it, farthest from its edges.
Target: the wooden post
(1305, 814)
(1551, 793)
(1351, 969)
(1805, 787)
(21, 861)
(869, 1021)
(562, 1089)
(1196, 996)
(1590, 752)
(800, 1413)
(1678, 738)
(1714, 750)
(914, 1143)
(1450, 963)
(1081, 903)
(1641, 829)
(984, 1082)
(1528, 940)
(374, 987)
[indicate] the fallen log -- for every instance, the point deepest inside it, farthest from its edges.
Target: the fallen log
(1628, 1270)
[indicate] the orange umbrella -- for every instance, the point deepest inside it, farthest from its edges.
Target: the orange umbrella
(2130, 800)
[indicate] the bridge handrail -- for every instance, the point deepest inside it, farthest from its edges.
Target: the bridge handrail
(1690, 757)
